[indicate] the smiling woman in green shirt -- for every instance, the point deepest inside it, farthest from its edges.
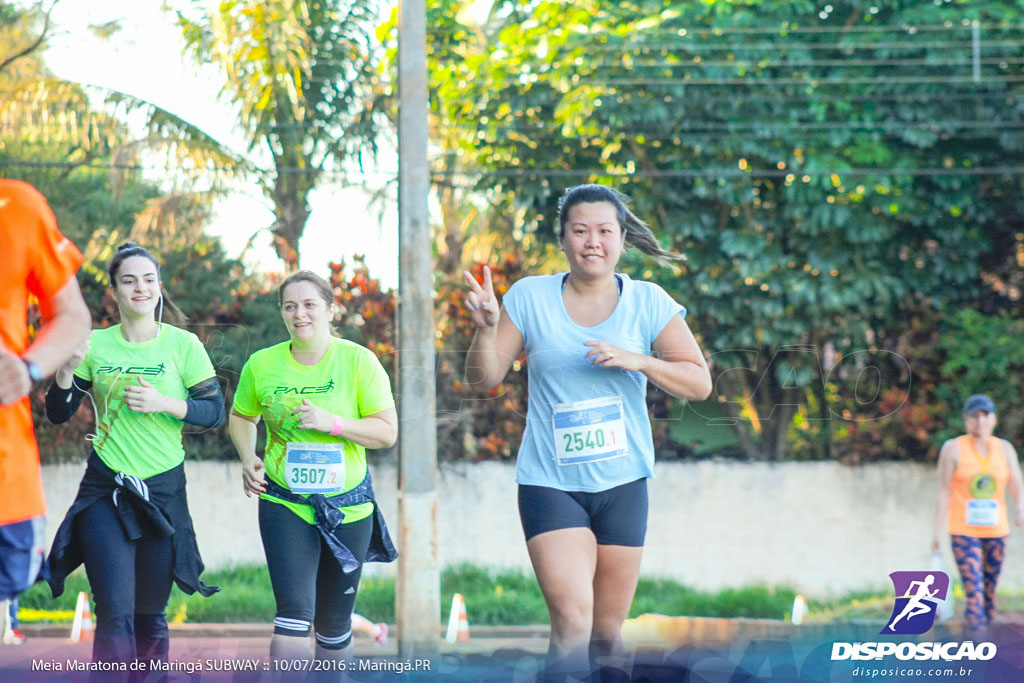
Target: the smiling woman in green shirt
(324, 400)
(129, 523)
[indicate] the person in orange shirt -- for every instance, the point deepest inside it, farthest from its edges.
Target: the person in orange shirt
(974, 470)
(35, 260)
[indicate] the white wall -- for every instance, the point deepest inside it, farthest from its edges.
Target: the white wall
(822, 528)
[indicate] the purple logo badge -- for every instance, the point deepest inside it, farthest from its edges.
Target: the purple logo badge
(917, 596)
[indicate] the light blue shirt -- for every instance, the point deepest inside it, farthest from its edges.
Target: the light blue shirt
(560, 373)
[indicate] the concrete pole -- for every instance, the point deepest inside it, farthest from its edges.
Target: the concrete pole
(418, 589)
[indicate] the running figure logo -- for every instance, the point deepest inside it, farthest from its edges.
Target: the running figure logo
(917, 596)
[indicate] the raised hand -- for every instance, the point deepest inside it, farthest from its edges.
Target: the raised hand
(481, 302)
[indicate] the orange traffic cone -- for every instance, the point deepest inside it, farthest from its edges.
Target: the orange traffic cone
(458, 623)
(82, 629)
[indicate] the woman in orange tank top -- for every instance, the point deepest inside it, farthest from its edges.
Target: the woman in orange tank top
(974, 470)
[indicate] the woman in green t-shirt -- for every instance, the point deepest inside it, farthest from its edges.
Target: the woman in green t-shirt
(324, 400)
(129, 523)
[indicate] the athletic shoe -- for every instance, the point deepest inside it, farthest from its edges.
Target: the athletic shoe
(382, 635)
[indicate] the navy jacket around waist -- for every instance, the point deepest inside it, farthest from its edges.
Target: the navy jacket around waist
(328, 518)
(153, 506)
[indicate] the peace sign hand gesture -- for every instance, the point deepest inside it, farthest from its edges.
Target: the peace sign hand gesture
(481, 302)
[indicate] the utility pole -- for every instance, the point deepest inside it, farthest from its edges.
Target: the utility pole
(418, 589)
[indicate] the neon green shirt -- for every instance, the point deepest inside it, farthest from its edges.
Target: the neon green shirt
(348, 381)
(143, 444)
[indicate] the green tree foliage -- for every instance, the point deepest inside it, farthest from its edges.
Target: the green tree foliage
(984, 354)
(823, 168)
(304, 76)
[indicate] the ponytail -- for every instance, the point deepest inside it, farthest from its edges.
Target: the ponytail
(635, 231)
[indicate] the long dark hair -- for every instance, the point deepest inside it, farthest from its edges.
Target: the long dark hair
(637, 233)
(130, 249)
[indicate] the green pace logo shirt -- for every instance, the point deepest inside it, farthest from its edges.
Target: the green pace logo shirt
(143, 444)
(348, 381)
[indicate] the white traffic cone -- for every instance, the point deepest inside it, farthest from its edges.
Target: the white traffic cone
(458, 622)
(82, 629)
(799, 610)
(6, 633)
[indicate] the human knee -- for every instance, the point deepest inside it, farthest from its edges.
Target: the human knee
(606, 629)
(151, 625)
(297, 627)
(571, 620)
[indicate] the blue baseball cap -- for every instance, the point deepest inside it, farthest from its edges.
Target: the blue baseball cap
(977, 402)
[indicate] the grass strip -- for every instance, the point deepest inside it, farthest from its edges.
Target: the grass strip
(493, 597)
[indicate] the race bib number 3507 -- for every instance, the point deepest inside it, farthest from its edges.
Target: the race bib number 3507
(588, 431)
(315, 467)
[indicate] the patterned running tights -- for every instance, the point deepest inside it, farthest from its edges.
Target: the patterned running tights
(979, 561)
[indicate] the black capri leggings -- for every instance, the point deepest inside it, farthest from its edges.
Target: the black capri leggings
(309, 587)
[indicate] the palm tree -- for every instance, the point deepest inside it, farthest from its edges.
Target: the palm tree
(303, 73)
(305, 76)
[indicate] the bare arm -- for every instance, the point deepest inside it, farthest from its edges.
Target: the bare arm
(948, 458)
(242, 429)
(1016, 482)
(68, 323)
(66, 327)
(677, 366)
(497, 341)
(379, 430)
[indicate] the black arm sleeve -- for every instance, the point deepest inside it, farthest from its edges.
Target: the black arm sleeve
(61, 404)
(205, 404)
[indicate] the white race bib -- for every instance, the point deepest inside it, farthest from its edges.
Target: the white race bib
(587, 431)
(315, 467)
(982, 512)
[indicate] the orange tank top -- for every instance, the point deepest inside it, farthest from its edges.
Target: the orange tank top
(977, 496)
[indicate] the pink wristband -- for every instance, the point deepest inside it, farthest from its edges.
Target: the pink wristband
(339, 424)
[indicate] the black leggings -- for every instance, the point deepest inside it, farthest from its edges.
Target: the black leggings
(309, 587)
(130, 582)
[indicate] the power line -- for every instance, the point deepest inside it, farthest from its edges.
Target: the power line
(124, 166)
(666, 133)
(534, 75)
(842, 63)
(532, 172)
(778, 46)
(732, 173)
(775, 47)
(809, 80)
(77, 107)
(805, 125)
(786, 29)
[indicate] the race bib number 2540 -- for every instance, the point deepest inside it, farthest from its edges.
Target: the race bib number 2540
(588, 431)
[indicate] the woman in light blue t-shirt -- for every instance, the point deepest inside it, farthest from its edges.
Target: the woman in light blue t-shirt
(593, 338)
